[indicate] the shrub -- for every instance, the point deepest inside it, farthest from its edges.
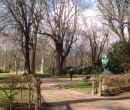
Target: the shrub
(117, 80)
(4, 71)
(66, 70)
(78, 70)
(120, 57)
(87, 70)
(49, 70)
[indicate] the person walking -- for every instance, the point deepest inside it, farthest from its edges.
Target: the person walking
(71, 73)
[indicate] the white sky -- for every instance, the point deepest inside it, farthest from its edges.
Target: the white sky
(92, 15)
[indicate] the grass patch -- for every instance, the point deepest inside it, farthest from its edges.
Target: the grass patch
(6, 78)
(20, 96)
(84, 87)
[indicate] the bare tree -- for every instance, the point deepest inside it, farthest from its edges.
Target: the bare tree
(116, 13)
(97, 38)
(26, 16)
(62, 22)
(80, 53)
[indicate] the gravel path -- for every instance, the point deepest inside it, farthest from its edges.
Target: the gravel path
(67, 99)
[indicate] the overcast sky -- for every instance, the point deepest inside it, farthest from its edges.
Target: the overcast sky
(91, 13)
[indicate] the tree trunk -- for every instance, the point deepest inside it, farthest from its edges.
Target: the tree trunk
(93, 59)
(27, 60)
(93, 47)
(122, 34)
(16, 64)
(34, 46)
(42, 63)
(33, 66)
(59, 64)
(59, 57)
(81, 58)
(129, 31)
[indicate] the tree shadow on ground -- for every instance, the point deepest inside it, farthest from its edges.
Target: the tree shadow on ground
(107, 107)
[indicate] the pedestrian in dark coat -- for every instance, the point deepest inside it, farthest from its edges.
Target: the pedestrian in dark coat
(71, 73)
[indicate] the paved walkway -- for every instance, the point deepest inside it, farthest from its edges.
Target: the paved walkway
(67, 99)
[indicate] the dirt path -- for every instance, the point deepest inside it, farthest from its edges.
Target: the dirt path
(67, 99)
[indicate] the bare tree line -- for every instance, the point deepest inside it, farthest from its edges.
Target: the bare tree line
(57, 21)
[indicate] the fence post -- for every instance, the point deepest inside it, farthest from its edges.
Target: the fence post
(93, 85)
(100, 87)
(37, 83)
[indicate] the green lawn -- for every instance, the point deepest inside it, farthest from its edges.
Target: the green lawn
(17, 96)
(85, 86)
